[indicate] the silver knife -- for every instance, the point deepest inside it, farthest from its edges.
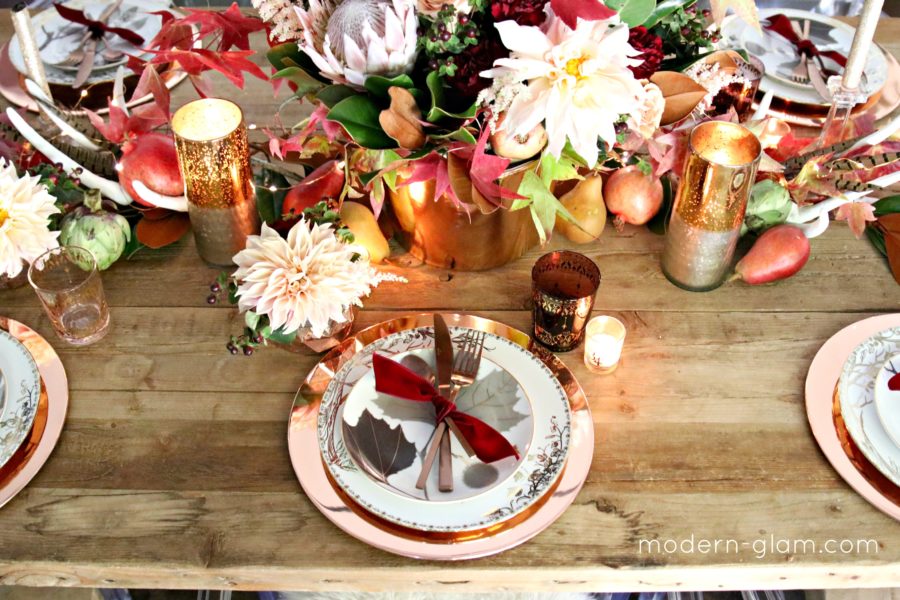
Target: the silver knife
(817, 80)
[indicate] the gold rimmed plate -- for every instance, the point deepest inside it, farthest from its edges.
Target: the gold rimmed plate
(347, 514)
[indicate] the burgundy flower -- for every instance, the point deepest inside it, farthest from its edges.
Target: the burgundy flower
(472, 61)
(650, 47)
(523, 12)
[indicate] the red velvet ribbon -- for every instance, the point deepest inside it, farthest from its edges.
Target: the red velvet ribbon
(396, 380)
(894, 383)
(781, 25)
(96, 27)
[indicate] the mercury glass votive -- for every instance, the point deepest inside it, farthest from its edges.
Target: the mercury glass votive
(741, 93)
(564, 284)
(604, 337)
(709, 206)
(213, 151)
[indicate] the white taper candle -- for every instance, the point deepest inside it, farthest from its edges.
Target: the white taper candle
(862, 43)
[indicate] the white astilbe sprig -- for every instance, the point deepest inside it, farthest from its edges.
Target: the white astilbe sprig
(712, 78)
(500, 96)
(309, 279)
(281, 15)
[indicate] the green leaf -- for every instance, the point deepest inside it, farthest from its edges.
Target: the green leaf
(305, 82)
(663, 10)
(251, 319)
(278, 336)
(887, 206)
(278, 55)
(269, 203)
(359, 116)
(436, 112)
(379, 85)
(460, 135)
(877, 238)
(558, 169)
(544, 205)
(660, 222)
(633, 12)
(330, 95)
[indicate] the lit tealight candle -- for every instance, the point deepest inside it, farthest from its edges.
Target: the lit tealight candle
(603, 346)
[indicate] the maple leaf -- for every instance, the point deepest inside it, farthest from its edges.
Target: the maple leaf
(381, 450)
(668, 151)
(152, 84)
(588, 10)
(745, 9)
(235, 28)
(231, 64)
(485, 169)
(173, 33)
(856, 214)
(433, 167)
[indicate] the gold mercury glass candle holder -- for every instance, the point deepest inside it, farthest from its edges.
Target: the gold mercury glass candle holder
(214, 155)
(604, 338)
(709, 206)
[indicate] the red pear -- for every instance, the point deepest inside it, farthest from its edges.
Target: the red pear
(325, 183)
(778, 253)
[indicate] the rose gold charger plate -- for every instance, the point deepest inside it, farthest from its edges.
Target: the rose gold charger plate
(823, 409)
(50, 416)
(307, 461)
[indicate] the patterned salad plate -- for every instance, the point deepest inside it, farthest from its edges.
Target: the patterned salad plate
(887, 397)
(374, 444)
(20, 390)
(491, 509)
(50, 413)
(823, 409)
(857, 396)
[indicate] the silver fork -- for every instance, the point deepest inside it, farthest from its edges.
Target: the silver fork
(800, 73)
(466, 362)
(77, 55)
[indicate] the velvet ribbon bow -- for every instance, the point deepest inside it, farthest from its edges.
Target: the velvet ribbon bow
(97, 28)
(781, 25)
(394, 379)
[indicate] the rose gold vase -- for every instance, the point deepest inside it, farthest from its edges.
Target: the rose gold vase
(437, 232)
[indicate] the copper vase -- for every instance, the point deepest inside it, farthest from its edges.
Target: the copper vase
(443, 235)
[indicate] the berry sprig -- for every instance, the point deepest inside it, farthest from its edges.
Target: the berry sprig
(685, 34)
(449, 34)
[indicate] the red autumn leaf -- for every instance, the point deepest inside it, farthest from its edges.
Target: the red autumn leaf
(152, 84)
(174, 33)
(195, 61)
(433, 166)
(122, 126)
(159, 230)
(856, 214)
(572, 10)
(233, 25)
(485, 169)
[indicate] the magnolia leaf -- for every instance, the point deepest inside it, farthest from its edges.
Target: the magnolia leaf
(663, 10)
(304, 82)
(402, 120)
(158, 227)
(745, 9)
(681, 93)
(359, 116)
(379, 449)
(380, 86)
(492, 399)
(890, 226)
(330, 95)
(886, 206)
(633, 12)
(460, 135)
(436, 112)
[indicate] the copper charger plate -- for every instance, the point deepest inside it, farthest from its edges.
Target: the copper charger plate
(354, 520)
(880, 104)
(51, 412)
(12, 87)
(824, 413)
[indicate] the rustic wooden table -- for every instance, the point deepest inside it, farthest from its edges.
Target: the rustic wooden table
(173, 470)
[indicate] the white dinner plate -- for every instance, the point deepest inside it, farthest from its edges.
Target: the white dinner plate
(515, 393)
(887, 400)
(857, 393)
(18, 404)
(779, 56)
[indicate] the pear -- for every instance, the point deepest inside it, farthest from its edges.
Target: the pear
(585, 203)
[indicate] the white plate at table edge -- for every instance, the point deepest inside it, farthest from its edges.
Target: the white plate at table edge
(22, 390)
(887, 401)
(53, 375)
(857, 397)
(823, 375)
(495, 504)
(313, 477)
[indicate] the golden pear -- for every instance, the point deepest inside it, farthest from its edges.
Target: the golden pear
(585, 203)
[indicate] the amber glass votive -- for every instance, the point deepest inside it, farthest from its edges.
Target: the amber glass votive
(564, 284)
(214, 155)
(603, 341)
(740, 94)
(709, 206)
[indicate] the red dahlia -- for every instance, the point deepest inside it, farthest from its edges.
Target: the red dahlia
(523, 12)
(650, 47)
(472, 61)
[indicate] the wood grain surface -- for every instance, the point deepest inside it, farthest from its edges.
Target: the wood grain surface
(173, 469)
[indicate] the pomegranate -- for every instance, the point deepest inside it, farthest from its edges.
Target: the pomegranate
(151, 159)
(778, 253)
(632, 196)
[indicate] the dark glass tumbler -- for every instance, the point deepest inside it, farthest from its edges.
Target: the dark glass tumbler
(564, 284)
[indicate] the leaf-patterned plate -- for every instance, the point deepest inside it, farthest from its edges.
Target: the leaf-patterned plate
(857, 392)
(23, 390)
(887, 397)
(374, 444)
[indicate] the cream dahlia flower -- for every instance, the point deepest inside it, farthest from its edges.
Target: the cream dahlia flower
(348, 40)
(307, 280)
(579, 84)
(25, 210)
